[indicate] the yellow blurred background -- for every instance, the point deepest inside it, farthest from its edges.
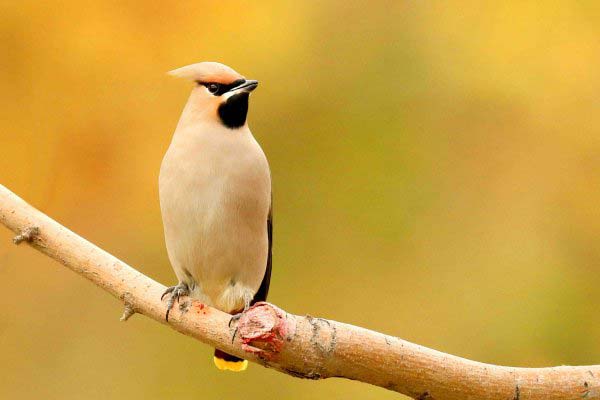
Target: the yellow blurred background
(436, 173)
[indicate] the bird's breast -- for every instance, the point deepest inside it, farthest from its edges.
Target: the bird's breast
(215, 198)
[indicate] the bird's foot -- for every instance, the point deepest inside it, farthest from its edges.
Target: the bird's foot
(174, 292)
(236, 317)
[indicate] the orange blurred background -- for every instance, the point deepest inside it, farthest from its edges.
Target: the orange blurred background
(436, 176)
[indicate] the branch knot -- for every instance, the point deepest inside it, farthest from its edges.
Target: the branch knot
(27, 235)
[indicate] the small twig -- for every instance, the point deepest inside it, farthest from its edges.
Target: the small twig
(26, 235)
(127, 312)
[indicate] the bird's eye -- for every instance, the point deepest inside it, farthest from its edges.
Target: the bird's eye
(213, 87)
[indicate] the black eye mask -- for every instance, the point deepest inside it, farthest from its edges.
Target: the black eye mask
(221, 88)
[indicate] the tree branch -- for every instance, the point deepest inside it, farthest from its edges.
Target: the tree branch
(301, 346)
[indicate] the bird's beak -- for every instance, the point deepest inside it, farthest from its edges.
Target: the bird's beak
(247, 86)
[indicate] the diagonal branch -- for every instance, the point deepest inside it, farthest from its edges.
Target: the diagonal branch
(301, 346)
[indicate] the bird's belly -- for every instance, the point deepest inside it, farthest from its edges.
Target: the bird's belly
(215, 231)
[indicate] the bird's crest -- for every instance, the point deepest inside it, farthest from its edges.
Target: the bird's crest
(207, 72)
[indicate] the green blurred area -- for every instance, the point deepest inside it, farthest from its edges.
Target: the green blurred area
(436, 173)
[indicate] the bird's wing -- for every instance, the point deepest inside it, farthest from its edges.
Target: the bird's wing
(263, 290)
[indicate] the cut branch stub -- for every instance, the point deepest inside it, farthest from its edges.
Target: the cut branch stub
(263, 329)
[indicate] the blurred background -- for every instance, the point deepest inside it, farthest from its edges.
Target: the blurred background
(436, 177)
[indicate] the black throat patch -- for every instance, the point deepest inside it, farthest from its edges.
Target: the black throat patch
(234, 111)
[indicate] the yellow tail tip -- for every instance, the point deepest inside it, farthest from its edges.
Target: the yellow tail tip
(235, 366)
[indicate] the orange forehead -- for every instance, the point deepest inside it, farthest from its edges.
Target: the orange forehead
(207, 72)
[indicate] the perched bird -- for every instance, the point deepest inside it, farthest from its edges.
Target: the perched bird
(215, 199)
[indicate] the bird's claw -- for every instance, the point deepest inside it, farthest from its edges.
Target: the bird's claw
(236, 317)
(174, 292)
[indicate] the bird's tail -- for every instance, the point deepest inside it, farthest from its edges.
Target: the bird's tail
(227, 362)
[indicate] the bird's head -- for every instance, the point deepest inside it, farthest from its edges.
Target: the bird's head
(220, 91)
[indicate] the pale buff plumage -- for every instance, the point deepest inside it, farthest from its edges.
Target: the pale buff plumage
(215, 195)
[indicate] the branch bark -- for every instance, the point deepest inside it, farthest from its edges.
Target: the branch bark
(301, 346)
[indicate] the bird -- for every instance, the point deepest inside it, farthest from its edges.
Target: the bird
(215, 199)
